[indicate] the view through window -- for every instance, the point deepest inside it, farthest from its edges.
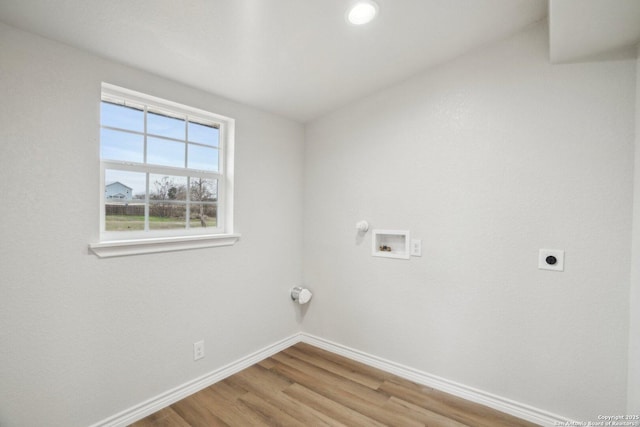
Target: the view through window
(162, 168)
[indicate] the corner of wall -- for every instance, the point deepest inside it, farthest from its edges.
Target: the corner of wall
(633, 376)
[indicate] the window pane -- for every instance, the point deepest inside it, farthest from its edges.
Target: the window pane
(124, 200)
(204, 190)
(169, 188)
(124, 146)
(165, 153)
(124, 217)
(120, 116)
(136, 181)
(203, 134)
(166, 215)
(164, 125)
(203, 158)
(165, 194)
(203, 215)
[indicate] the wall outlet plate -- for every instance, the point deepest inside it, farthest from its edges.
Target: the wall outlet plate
(416, 247)
(551, 259)
(198, 350)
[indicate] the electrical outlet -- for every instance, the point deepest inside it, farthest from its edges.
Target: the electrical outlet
(198, 350)
(551, 259)
(416, 247)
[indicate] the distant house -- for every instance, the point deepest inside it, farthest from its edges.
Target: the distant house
(117, 191)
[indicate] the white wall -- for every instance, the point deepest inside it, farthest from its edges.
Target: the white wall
(83, 338)
(633, 399)
(486, 159)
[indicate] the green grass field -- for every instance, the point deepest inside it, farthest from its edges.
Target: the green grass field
(136, 222)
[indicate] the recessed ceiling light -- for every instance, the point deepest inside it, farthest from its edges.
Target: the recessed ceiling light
(362, 12)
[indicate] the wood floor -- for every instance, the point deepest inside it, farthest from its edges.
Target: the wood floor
(306, 386)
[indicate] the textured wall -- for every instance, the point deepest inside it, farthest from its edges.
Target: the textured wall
(83, 338)
(486, 159)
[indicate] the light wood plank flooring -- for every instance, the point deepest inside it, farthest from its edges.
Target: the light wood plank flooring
(307, 386)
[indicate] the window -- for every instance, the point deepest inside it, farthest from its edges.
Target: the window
(166, 175)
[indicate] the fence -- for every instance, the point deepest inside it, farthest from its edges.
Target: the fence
(122, 209)
(164, 210)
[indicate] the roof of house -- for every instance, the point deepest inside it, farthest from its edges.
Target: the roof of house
(118, 182)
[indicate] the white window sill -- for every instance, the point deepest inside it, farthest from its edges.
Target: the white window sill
(164, 244)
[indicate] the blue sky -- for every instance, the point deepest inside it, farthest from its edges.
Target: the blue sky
(129, 147)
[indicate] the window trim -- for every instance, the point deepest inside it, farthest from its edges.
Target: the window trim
(161, 244)
(133, 243)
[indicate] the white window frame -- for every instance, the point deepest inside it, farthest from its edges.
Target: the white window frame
(147, 241)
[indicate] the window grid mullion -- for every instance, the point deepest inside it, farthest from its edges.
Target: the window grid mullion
(133, 132)
(186, 142)
(145, 135)
(188, 211)
(186, 164)
(166, 138)
(149, 169)
(147, 210)
(146, 203)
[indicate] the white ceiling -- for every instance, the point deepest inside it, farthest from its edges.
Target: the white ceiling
(297, 58)
(587, 29)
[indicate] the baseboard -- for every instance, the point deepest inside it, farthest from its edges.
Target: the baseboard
(167, 398)
(501, 404)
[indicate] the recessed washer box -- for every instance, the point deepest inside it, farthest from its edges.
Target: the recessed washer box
(551, 259)
(391, 244)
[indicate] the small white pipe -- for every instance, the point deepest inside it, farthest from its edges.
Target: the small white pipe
(301, 295)
(362, 226)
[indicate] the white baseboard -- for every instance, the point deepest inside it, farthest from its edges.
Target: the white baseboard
(167, 398)
(520, 410)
